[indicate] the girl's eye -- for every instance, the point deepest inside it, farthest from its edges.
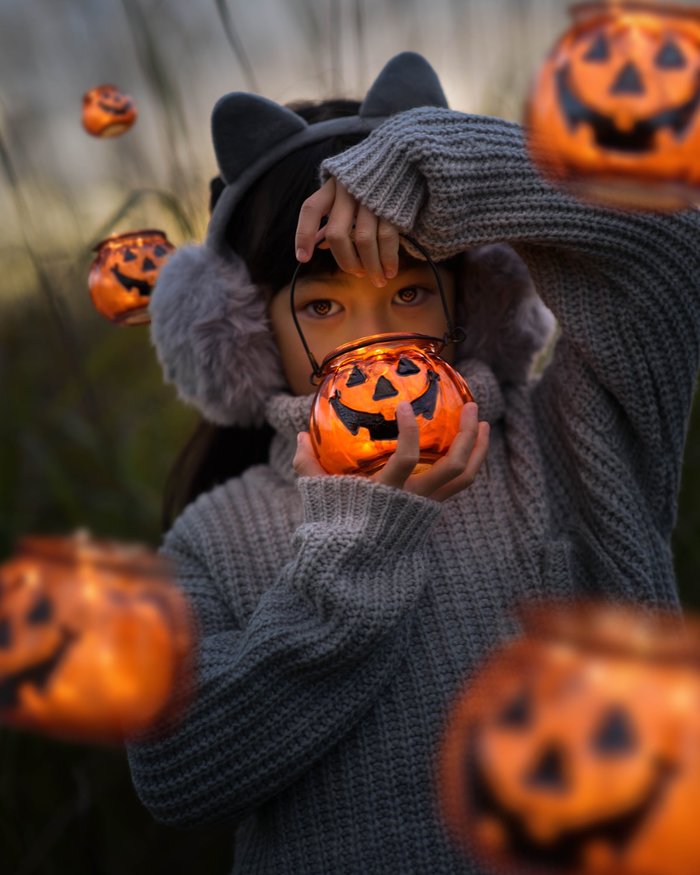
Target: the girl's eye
(412, 295)
(321, 308)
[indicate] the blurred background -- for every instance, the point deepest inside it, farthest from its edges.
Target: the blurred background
(88, 432)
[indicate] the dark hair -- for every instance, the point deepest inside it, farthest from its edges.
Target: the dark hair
(261, 231)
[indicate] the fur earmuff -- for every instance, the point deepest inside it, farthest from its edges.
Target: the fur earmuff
(213, 339)
(210, 329)
(505, 320)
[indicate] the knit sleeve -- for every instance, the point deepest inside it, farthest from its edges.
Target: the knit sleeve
(275, 691)
(625, 287)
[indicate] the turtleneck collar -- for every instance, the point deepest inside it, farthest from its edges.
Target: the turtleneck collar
(289, 414)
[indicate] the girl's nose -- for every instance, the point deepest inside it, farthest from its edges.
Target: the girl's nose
(372, 323)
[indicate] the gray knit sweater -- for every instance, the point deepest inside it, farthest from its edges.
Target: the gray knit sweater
(339, 617)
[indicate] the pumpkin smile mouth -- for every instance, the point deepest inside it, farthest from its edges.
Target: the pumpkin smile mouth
(37, 675)
(640, 137)
(380, 428)
(143, 287)
(568, 849)
(116, 110)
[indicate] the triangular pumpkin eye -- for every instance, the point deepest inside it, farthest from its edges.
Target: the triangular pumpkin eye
(670, 57)
(160, 251)
(517, 713)
(614, 736)
(356, 378)
(129, 255)
(628, 82)
(406, 367)
(5, 633)
(599, 50)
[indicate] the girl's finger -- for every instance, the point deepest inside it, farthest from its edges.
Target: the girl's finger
(311, 213)
(398, 469)
(476, 460)
(366, 225)
(388, 242)
(305, 463)
(339, 230)
(455, 461)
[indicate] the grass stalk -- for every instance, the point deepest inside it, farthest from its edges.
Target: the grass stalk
(236, 45)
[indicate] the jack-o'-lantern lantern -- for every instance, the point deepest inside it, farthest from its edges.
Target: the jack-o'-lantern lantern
(576, 748)
(94, 639)
(353, 419)
(353, 425)
(124, 272)
(615, 112)
(107, 112)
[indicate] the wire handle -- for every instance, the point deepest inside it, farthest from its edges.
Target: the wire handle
(452, 335)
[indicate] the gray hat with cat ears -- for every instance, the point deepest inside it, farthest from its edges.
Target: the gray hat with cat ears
(209, 321)
(251, 133)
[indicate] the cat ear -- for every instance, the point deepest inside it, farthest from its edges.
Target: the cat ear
(407, 81)
(246, 126)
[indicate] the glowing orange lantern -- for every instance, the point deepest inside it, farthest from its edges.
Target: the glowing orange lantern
(353, 420)
(615, 112)
(353, 425)
(577, 747)
(107, 112)
(124, 272)
(93, 637)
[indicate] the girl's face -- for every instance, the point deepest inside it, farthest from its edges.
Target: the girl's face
(336, 308)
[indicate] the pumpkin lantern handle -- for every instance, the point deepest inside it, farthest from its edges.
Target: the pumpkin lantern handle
(454, 334)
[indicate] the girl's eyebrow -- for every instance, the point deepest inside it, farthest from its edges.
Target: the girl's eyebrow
(340, 277)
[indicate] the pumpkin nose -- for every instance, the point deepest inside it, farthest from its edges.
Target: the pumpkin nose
(548, 773)
(628, 81)
(384, 389)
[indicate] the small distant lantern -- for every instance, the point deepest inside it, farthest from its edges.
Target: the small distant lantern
(614, 115)
(124, 272)
(94, 637)
(576, 747)
(107, 112)
(353, 426)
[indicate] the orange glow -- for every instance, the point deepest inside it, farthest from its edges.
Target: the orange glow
(93, 637)
(124, 272)
(615, 112)
(107, 112)
(576, 748)
(353, 418)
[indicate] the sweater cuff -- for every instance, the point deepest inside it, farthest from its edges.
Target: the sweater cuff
(383, 179)
(385, 515)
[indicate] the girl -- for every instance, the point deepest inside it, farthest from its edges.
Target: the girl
(339, 615)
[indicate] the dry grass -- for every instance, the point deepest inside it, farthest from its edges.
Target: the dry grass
(88, 430)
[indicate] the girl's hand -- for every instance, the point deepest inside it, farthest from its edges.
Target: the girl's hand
(451, 474)
(361, 243)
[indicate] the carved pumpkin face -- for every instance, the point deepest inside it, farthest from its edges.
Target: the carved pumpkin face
(615, 113)
(581, 756)
(92, 639)
(353, 419)
(124, 272)
(107, 112)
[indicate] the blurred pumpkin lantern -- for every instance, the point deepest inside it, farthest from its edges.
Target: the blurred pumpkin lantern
(615, 112)
(576, 748)
(124, 272)
(107, 112)
(93, 637)
(353, 426)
